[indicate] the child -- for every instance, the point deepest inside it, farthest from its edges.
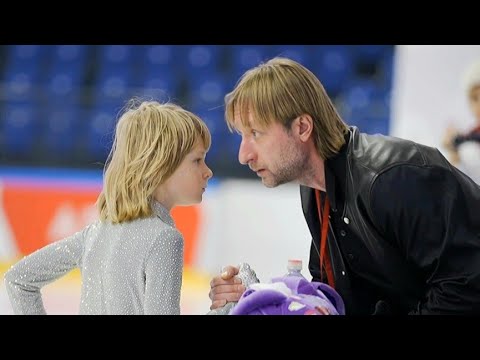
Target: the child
(132, 258)
(464, 148)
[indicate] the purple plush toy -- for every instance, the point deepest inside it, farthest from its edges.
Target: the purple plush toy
(289, 295)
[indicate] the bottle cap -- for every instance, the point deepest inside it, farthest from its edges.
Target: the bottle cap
(295, 264)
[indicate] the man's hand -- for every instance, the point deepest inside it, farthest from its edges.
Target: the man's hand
(226, 287)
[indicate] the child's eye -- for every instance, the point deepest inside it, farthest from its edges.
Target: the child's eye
(254, 133)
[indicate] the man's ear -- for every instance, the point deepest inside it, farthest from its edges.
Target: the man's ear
(303, 127)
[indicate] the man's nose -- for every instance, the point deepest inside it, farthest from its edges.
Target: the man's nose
(245, 153)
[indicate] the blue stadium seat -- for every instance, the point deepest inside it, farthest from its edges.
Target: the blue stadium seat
(245, 57)
(19, 126)
(202, 59)
(387, 68)
(61, 130)
(20, 87)
(162, 56)
(100, 130)
(159, 83)
(299, 53)
(66, 75)
(161, 89)
(367, 105)
(370, 53)
(159, 77)
(214, 118)
(207, 90)
(116, 79)
(334, 66)
(360, 92)
(23, 71)
(113, 86)
(372, 123)
(29, 59)
(116, 55)
(230, 144)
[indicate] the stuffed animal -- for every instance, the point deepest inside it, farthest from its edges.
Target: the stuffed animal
(289, 295)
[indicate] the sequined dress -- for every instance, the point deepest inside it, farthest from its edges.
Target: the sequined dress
(129, 268)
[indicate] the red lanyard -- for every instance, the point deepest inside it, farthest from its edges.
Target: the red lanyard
(323, 239)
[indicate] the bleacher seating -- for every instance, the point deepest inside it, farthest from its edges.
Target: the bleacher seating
(61, 101)
(19, 127)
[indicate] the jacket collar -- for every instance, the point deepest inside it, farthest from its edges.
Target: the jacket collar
(162, 212)
(335, 174)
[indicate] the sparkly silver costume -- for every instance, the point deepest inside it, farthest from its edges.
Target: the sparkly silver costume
(129, 268)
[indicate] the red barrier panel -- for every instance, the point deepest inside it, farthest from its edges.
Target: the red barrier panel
(41, 214)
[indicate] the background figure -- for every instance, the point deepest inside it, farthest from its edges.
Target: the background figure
(464, 147)
(131, 259)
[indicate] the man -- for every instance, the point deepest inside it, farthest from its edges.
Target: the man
(395, 227)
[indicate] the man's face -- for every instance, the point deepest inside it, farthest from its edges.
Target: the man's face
(273, 153)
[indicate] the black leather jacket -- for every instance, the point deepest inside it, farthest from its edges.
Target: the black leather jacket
(416, 219)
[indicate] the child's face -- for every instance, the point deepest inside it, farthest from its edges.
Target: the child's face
(474, 100)
(188, 183)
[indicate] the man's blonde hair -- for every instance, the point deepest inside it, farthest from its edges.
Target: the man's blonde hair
(151, 140)
(281, 90)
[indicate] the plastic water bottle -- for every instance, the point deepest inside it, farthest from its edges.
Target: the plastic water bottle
(294, 268)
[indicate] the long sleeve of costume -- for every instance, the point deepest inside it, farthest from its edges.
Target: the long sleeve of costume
(163, 275)
(422, 210)
(24, 279)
